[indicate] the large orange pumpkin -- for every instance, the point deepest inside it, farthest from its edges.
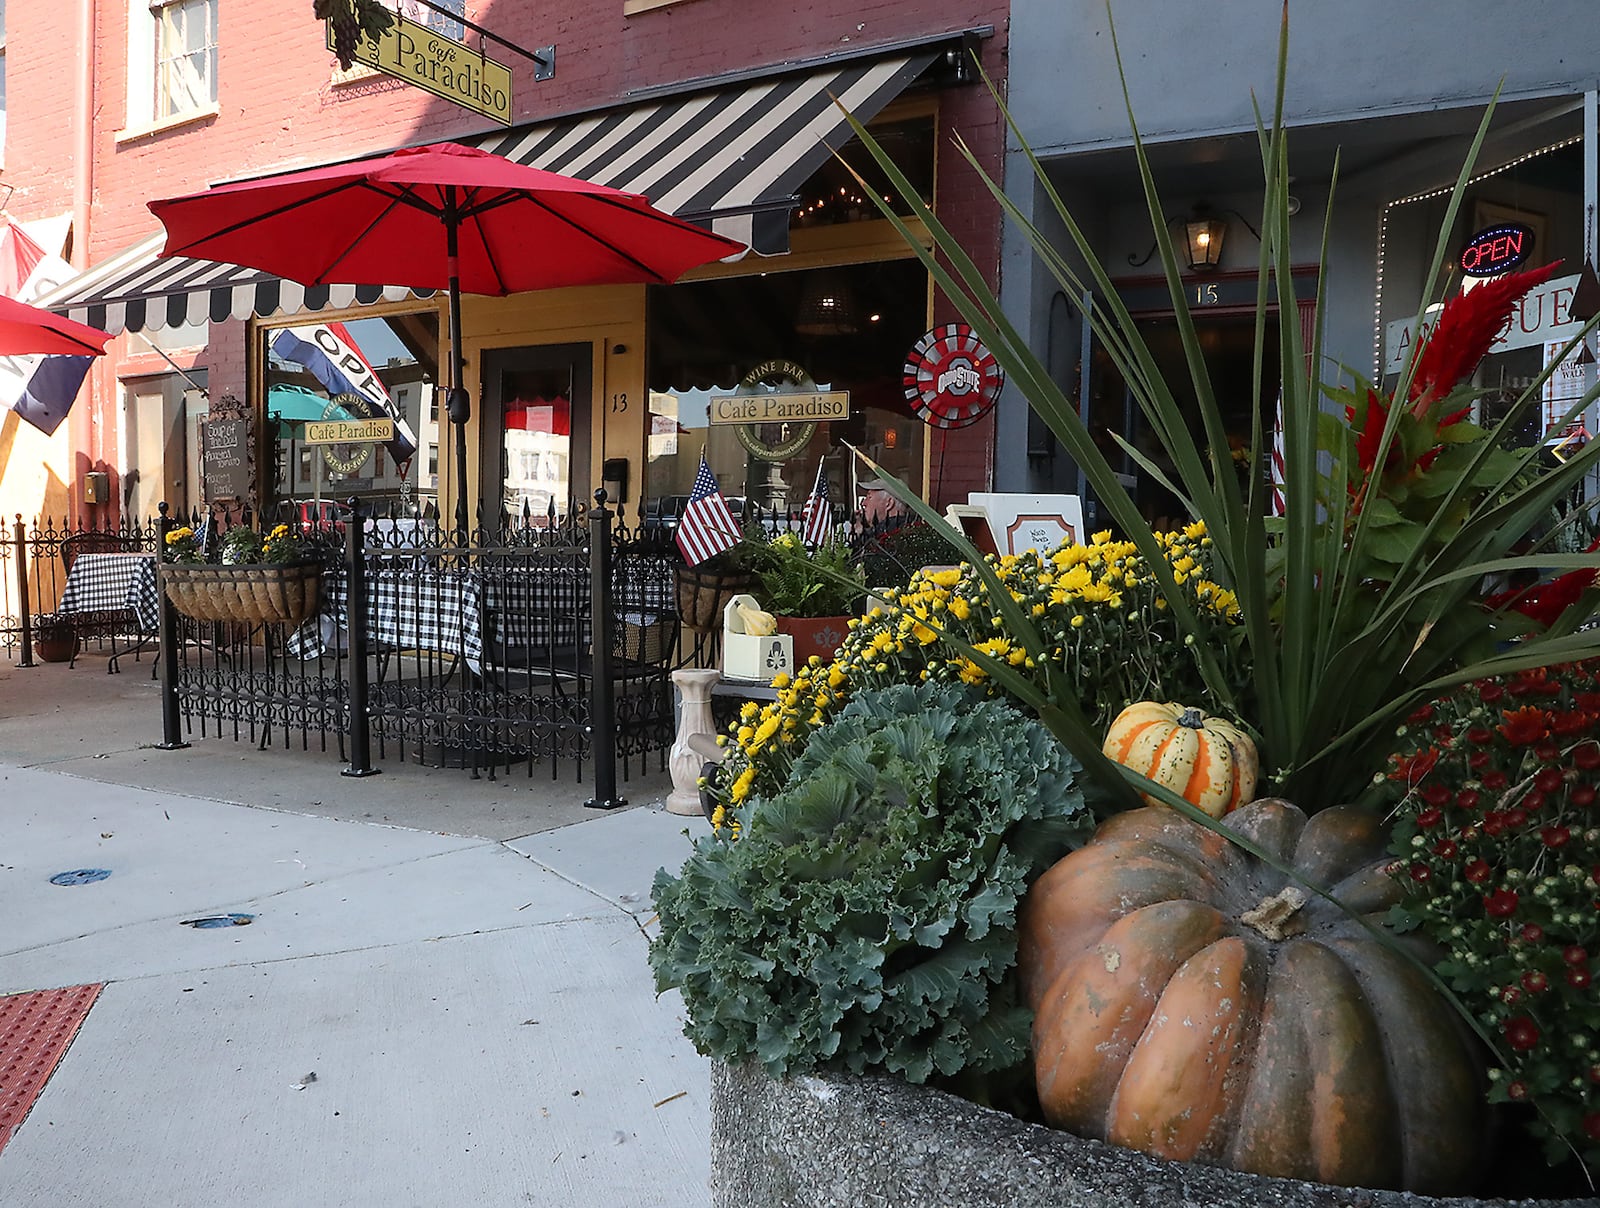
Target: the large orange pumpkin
(1193, 1004)
(1209, 762)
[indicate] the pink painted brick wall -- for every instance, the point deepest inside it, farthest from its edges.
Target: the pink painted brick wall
(278, 108)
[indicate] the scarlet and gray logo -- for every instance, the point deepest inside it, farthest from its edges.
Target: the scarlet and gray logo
(950, 378)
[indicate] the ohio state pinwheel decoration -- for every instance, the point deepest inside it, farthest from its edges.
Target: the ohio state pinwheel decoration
(951, 379)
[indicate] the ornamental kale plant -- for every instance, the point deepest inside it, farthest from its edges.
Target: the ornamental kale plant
(1499, 840)
(866, 916)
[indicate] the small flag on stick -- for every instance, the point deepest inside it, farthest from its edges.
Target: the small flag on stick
(817, 519)
(707, 526)
(1277, 460)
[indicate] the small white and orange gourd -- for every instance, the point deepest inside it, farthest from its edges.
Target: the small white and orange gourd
(1209, 762)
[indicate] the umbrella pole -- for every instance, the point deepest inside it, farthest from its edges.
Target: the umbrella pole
(460, 414)
(459, 404)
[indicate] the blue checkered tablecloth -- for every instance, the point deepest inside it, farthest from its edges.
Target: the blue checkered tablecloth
(438, 611)
(102, 583)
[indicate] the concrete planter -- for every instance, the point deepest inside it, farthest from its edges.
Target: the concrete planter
(820, 1142)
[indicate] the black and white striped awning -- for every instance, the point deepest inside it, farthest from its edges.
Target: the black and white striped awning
(141, 290)
(731, 157)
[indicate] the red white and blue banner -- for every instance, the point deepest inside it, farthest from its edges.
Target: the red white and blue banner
(330, 354)
(40, 389)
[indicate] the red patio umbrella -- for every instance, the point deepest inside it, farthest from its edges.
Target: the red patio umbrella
(26, 329)
(443, 215)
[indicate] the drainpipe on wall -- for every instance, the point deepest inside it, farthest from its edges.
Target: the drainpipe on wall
(81, 426)
(1591, 220)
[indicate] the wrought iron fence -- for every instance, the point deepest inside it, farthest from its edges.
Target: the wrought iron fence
(36, 560)
(544, 645)
(539, 641)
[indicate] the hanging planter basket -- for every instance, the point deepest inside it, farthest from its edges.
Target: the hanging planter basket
(255, 593)
(702, 595)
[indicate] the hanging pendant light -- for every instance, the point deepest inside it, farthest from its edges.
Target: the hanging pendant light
(827, 306)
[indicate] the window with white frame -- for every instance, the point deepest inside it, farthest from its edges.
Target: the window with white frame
(172, 61)
(186, 56)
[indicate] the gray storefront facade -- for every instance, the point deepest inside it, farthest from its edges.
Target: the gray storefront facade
(1396, 91)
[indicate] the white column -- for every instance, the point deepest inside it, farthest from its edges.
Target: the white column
(694, 717)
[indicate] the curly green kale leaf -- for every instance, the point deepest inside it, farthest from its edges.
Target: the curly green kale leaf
(866, 916)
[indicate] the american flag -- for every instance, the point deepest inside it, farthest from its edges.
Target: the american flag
(817, 519)
(1277, 460)
(707, 526)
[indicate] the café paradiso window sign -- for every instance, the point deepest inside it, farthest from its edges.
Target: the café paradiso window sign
(776, 408)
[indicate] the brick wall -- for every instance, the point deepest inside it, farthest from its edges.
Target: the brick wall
(278, 108)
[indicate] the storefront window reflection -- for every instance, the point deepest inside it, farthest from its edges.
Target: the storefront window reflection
(770, 375)
(365, 368)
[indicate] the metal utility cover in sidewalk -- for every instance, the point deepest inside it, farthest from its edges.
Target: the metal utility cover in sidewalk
(35, 1030)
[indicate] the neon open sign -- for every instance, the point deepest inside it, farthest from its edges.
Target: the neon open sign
(1496, 250)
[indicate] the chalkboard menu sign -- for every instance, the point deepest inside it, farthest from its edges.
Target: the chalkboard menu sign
(226, 461)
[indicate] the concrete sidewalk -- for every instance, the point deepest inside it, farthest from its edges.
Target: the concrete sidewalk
(460, 963)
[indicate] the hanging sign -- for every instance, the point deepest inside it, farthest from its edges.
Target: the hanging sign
(776, 408)
(1497, 249)
(225, 461)
(440, 65)
(346, 455)
(341, 431)
(950, 378)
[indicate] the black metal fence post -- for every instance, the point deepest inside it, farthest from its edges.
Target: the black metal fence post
(171, 727)
(356, 617)
(602, 688)
(22, 594)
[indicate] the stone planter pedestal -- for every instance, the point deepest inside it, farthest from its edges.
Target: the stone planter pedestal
(822, 1142)
(694, 717)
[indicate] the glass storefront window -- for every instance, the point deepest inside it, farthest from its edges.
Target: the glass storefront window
(1541, 195)
(365, 368)
(737, 367)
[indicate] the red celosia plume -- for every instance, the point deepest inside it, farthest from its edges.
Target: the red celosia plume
(1466, 328)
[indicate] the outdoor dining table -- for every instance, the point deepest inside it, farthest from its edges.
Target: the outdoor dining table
(114, 589)
(504, 626)
(438, 611)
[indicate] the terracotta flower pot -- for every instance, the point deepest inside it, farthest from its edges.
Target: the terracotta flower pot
(821, 636)
(56, 644)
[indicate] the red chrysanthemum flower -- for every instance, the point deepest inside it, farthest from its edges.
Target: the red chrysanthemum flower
(1525, 726)
(1501, 904)
(1521, 1033)
(1409, 769)
(1467, 326)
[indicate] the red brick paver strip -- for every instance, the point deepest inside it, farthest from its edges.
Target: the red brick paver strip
(35, 1030)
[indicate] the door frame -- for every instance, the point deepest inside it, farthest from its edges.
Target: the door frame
(579, 355)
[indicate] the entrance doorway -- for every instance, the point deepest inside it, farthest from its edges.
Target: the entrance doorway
(1228, 342)
(536, 415)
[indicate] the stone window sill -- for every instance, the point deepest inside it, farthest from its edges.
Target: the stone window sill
(177, 121)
